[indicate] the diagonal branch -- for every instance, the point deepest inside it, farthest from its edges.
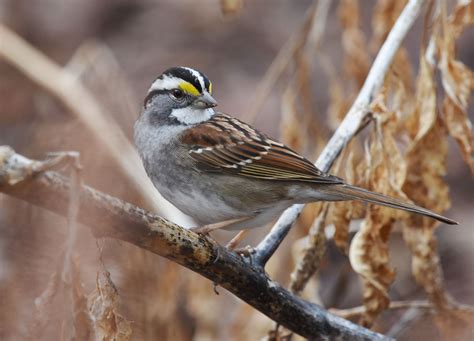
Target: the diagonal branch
(349, 126)
(108, 216)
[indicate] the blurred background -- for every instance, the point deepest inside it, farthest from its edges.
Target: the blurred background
(116, 48)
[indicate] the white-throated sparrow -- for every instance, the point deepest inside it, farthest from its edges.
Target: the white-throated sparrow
(216, 168)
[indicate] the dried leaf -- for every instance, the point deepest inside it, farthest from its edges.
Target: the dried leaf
(462, 17)
(339, 103)
(81, 320)
(341, 218)
(303, 87)
(358, 208)
(290, 127)
(308, 215)
(349, 15)
(399, 83)
(384, 16)
(457, 82)
(424, 116)
(298, 128)
(456, 77)
(386, 173)
(387, 167)
(425, 261)
(455, 324)
(231, 7)
(342, 212)
(369, 257)
(427, 152)
(460, 127)
(312, 254)
(426, 159)
(356, 59)
(425, 186)
(103, 304)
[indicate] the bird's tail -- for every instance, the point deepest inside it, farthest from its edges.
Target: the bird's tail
(348, 192)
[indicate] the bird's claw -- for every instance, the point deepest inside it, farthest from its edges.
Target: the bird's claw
(246, 253)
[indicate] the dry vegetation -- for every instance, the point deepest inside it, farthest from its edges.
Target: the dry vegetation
(354, 260)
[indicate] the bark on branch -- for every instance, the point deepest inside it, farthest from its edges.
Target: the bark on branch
(111, 217)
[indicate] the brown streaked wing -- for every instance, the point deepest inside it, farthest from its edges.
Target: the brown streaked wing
(227, 145)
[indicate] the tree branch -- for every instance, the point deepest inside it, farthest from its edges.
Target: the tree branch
(349, 126)
(108, 216)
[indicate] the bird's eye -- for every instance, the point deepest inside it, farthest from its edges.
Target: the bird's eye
(177, 93)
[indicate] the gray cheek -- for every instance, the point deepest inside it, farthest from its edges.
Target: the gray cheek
(157, 111)
(160, 107)
(161, 118)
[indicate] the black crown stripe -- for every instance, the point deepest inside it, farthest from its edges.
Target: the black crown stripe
(186, 75)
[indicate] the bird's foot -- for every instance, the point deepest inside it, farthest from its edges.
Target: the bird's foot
(204, 230)
(246, 253)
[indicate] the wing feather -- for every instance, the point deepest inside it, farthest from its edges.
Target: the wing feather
(226, 145)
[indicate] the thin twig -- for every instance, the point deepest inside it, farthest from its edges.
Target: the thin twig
(65, 86)
(349, 126)
(409, 317)
(282, 60)
(73, 210)
(355, 312)
(296, 102)
(319, 25)
(95, 64)
(80, 328)
(110, 217)
(64, 278)
(394, 305)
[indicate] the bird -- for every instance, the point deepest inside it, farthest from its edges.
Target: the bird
(223, 172)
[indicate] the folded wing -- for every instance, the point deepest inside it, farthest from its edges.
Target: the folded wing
(226, 145)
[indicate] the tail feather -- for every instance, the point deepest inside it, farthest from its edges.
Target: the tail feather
(349, 192)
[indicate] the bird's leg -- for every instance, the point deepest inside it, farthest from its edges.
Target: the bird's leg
(205, 229)
(230, 246)
(236, 240)
(246, 251)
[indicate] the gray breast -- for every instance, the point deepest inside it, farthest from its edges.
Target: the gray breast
(207, 197)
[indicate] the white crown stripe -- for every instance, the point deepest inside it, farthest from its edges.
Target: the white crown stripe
(198, 77)
(165, 83)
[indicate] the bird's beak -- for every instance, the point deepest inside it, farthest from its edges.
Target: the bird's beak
(204, 101)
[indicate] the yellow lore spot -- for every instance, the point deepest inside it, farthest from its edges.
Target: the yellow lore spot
(210, 88)
(189, 88)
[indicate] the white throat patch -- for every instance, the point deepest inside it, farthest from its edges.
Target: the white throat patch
(190, 115)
